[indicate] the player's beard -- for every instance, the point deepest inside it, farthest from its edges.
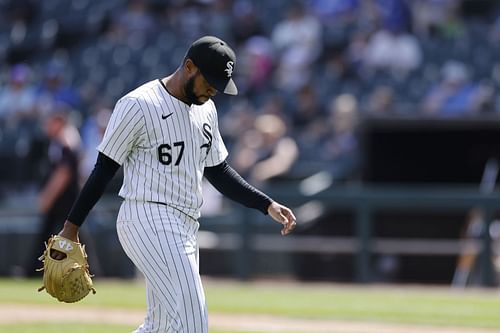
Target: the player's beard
(189, 92)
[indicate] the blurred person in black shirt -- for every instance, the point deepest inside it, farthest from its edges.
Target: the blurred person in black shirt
(60, 187)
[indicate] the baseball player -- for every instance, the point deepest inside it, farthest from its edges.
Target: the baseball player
(166, 136)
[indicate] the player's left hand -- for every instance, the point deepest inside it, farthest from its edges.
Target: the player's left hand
(283, 215)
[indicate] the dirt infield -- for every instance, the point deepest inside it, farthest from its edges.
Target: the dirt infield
(10, 313)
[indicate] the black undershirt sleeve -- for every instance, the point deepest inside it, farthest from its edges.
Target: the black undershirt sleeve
(228, 182)
(104, 170)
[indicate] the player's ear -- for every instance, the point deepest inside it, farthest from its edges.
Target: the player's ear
(189, 66)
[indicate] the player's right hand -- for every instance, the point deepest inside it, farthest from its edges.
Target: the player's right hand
(283, 215)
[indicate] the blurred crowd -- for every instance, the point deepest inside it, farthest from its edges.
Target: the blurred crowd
(309, 73)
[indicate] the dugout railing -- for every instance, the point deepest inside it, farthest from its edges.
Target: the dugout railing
(365, 202)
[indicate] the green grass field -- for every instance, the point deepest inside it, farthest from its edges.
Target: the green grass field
(382, 304)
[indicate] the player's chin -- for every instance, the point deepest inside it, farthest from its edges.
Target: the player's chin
(203, 99)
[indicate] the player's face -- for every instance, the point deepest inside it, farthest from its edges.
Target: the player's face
(198, 90)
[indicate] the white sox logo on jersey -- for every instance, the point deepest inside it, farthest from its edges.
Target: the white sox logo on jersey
(229, 68)
(207, 133)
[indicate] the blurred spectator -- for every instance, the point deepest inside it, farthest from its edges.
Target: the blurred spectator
(297, 40)
(219, 19)
(455, 94)
(255, 64)
(307, 117)
(60, 187)
(394, 13)
(265, 151)
(274, 104)
(339, 148)
(335, 70)
(238, 120)
(18, 125)
(437, 18)
(337, 13)
(246, 21)
(337, 66)
(188, 19)
(17, 97)
(381, 102)
(393, 49)
(53, 90)
(356, 49)
(135, 19)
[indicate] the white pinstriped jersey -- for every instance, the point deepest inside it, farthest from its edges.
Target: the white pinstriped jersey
(164, 146)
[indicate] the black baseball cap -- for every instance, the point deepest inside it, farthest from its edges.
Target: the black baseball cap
(215, 60)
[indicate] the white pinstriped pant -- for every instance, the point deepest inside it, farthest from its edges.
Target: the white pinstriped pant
(161, 242)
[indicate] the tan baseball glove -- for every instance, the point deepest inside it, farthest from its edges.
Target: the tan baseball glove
(67, 279)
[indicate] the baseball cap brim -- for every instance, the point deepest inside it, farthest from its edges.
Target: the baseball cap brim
(230, 88)
(227, 87)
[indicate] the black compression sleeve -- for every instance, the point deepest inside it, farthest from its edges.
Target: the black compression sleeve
(228, 182)
(104, 170)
